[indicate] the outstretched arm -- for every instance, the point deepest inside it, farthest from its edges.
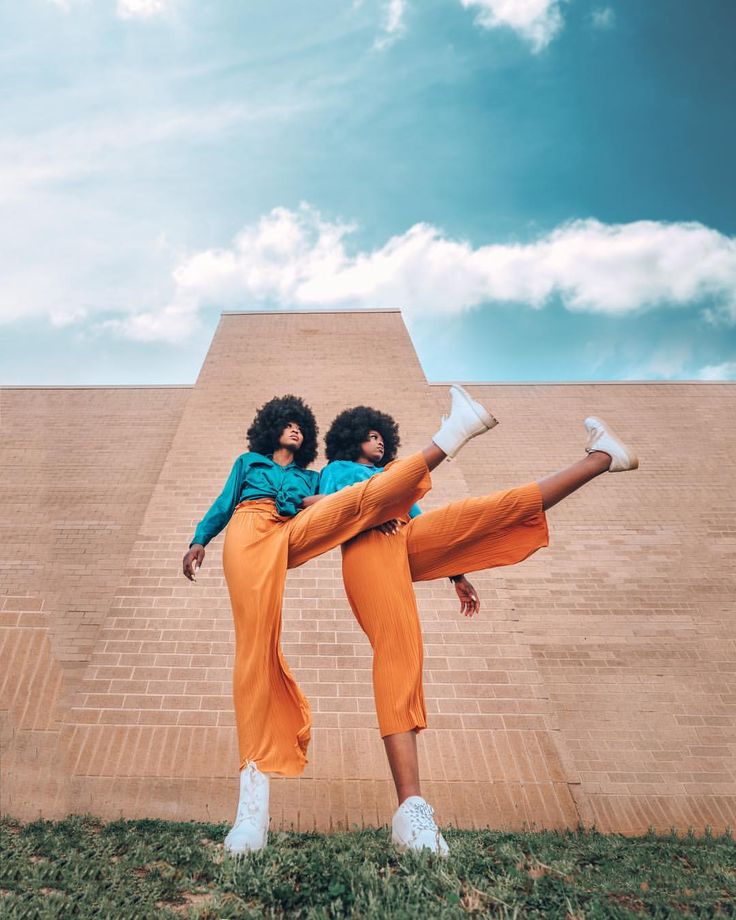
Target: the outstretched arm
(213, 522)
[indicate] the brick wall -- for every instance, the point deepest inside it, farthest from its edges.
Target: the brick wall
(78, 468)
(594, 687)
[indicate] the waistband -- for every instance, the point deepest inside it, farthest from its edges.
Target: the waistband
(259, 506)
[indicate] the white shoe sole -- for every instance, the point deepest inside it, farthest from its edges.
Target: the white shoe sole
(483, 414)
(405, 848)
(631, 460)
(235, 853)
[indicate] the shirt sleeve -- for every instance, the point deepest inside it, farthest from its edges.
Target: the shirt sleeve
(222, 508)
(336, 476)
(414, 511)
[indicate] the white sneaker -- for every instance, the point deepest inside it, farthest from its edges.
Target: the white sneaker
(250, 831)
(413, 827)
(467, 419)
(602, 438)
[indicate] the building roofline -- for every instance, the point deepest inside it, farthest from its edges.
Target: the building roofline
(315, 312)
(575, 383)
(98, 386)
(431, 383)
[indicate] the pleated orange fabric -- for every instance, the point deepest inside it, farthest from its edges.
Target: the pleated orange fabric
(272, 715)
(502, 528)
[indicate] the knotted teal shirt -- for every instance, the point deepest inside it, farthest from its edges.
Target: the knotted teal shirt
(257, 476)
(341, 473)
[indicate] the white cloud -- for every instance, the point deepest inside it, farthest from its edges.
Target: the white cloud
(394, 25)
(128, 9)
(142, 9)
(663, 363)
(603, 18)
(86, 147)
(725, 371)
(299, 259)
(536, 21)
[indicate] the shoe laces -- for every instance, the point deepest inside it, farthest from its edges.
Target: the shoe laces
(421, 817)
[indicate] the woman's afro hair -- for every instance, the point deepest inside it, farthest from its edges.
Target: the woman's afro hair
(273, 417)
(350, 429)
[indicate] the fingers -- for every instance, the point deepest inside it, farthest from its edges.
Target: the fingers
(469, 604)
(191, 562)
(390, 527)
(188, 572)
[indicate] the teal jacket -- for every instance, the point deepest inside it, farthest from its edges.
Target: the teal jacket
(257, 476)
(341, 473)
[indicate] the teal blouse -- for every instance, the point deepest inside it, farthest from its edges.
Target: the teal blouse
(341, 473)
(256, 476)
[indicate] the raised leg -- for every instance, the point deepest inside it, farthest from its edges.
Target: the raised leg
(344, 514)
(477, 533)
(559, 485)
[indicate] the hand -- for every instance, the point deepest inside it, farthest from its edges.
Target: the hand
(193, 559)
(390, 527)
(469, 601)
(310, 500)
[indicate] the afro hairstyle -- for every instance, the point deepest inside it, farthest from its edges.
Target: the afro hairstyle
(350, 429)
(273, 417)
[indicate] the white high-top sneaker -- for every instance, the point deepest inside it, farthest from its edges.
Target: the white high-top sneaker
(467, 419)
(250, 831)
(413, 827)
(602, 437)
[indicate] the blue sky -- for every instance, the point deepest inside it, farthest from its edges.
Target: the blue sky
(545, 187)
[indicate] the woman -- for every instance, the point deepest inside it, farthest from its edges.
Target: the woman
(267, 533)
(380, 564)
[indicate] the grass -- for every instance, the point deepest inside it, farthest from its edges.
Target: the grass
(83, 868)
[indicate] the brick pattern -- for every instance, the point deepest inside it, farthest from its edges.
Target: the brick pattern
(78, 466)
(633, 592)
(626, 613)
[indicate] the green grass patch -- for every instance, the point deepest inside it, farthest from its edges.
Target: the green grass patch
(83, 868)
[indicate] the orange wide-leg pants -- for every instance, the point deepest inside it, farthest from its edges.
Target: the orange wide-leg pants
(378, 570)
(272, 715)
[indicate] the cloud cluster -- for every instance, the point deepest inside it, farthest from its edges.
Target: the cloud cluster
(603, 18)
(725, 371)
(300, 259)
(537, 21)
(129, 9)
(142, 9)
(394, 25)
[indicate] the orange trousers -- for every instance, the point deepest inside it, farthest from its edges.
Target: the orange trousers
(378, 570)
(272, 715)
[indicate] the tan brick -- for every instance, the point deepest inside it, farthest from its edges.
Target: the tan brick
(597, 683)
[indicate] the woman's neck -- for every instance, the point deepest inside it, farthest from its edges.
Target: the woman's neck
(283, 456)
(365, 461)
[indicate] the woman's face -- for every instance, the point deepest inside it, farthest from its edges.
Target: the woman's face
(372, 448)
(291, 437)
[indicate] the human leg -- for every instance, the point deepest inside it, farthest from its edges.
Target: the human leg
(272, 716)
(506, 527)
(378, 585)
(605, 452)
(471, 534)
(343, 515)
(563, 483)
